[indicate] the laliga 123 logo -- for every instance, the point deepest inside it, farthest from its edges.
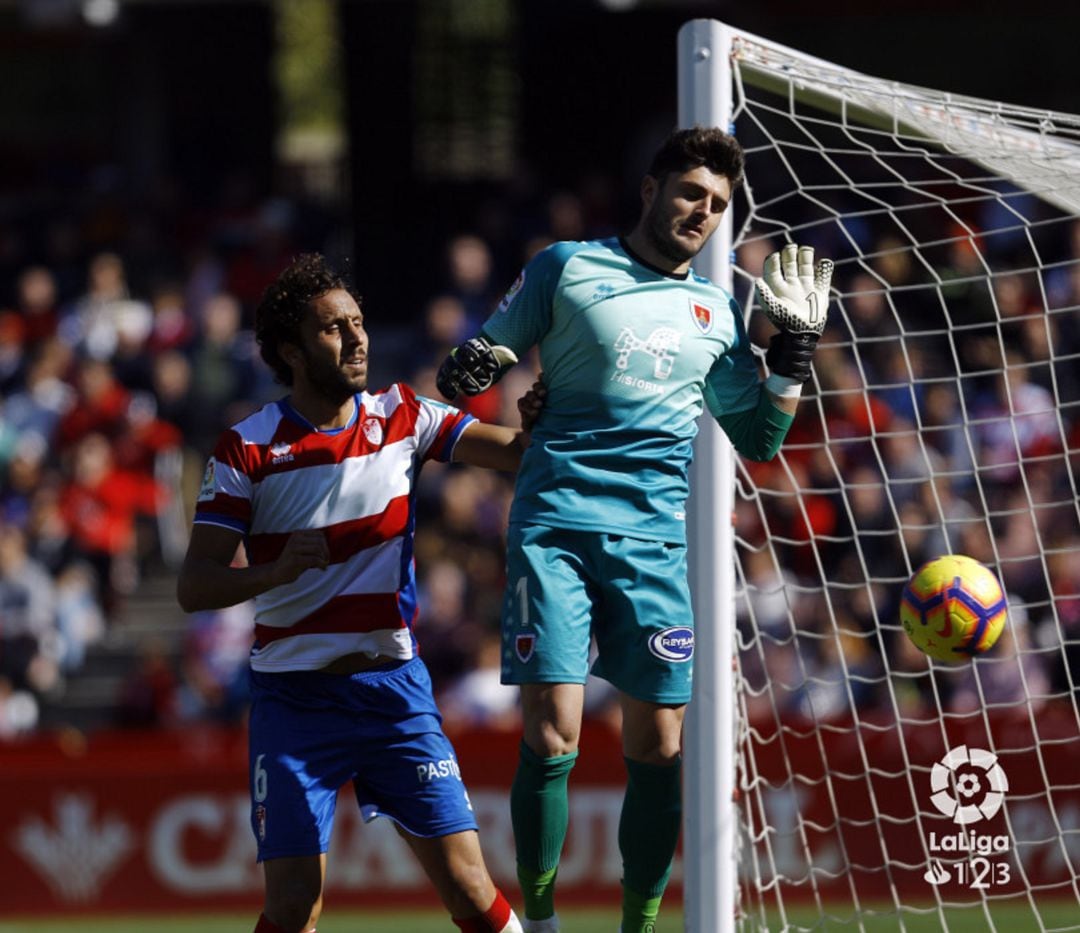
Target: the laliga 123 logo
(968, 785)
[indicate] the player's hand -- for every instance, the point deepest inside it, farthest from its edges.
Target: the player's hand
(794, 291)
(303, 550)
(473, 367)
(531, 404)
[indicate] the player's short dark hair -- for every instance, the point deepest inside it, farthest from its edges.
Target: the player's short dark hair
(284, 304)
(688, 149)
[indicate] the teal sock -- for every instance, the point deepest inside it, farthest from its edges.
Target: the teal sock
(539, 810)
(648, 834)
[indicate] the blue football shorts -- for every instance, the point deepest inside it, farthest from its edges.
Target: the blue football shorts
(565, 587)
(310, 733)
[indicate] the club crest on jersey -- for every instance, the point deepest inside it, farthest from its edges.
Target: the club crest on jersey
(279, 453)
(524, 646)
(702, 315)
(509, 297)
(206, 490)
(260, 822)
(673, 644)
(372, 429)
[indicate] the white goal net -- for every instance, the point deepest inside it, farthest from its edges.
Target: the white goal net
(944, 417)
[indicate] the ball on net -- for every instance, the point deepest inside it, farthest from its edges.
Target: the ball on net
(953, 608)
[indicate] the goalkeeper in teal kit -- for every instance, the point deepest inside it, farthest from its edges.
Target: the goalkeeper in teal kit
(632, 345)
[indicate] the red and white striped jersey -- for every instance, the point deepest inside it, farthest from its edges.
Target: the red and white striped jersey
(274, 473)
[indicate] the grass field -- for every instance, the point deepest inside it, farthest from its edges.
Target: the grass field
(1009, 919)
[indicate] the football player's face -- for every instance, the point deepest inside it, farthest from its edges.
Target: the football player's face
(334, 346)
(683, 211)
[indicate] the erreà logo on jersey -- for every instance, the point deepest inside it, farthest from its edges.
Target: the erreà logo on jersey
(673, 644)
(279, 453)
(702, 315)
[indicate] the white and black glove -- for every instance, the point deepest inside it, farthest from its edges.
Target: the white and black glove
(473, 367)
(794, 293)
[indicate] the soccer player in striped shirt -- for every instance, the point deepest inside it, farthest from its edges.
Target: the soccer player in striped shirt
(320, 487)
(633, 345)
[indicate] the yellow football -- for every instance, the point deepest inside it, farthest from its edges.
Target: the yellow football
(953, 608)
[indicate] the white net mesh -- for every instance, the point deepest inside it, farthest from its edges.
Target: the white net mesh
(944, 417)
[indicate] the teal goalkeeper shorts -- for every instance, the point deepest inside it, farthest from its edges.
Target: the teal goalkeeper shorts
(566, 586)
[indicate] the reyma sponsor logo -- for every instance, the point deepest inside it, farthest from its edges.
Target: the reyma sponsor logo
(673, 644)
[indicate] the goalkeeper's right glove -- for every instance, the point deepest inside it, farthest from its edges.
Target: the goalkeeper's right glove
(473, 367)
(795, 296)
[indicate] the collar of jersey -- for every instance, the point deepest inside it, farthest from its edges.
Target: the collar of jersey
(648, 265)
(293, 415)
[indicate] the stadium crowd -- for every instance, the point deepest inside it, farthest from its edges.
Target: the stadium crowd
(126, 346)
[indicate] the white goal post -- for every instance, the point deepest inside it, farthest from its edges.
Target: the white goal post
(943, 417)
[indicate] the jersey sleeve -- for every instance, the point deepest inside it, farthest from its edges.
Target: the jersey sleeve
(733, 383)
(225, 494)
(524, 314)
(438, 427)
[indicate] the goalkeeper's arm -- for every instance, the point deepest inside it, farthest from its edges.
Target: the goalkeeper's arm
(473, 367)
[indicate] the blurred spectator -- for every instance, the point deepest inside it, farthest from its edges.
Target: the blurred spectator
(80, 621)
(37, 304)
(172, 327)
(28, 636)
(148, 697)
(93, 324)
(470, 268)
(19, 710)
(100, 504)
(1019, 420)
(215, 664)
(477, 698)
(225, 380)
(100, 406)
(45, 398)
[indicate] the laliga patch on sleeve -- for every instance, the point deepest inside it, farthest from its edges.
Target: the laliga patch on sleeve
(509, 297)
(206, 490)
(673, 644)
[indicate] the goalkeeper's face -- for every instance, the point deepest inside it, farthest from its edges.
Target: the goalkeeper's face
(333, 350)
(682, 211)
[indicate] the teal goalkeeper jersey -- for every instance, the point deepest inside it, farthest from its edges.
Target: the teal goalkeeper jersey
(629, 355)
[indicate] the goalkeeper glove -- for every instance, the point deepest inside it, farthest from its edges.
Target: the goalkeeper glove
(473, 367)
(794, 293)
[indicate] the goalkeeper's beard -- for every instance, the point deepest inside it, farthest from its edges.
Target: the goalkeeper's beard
(657, 230)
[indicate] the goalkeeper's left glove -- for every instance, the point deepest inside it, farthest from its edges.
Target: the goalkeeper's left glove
(473, 367)
(795, 295)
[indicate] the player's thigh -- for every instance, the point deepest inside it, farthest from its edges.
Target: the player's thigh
(294, 886)
(651, 732)
(645, 636)
(409, 771)
(455, 865)
(549, 606)
(551, 717)
(297, 763)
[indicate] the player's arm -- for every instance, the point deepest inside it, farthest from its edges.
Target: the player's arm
(522, 318)
(208, 579)
(794, 293)
(496, 447)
